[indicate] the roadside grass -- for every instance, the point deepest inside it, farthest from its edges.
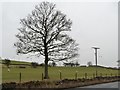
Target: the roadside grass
(30, 73)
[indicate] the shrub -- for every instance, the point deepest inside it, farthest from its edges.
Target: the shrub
(22, 67)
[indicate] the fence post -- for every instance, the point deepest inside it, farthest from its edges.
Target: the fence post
(93, 75)
(60, 75)
(20, 77)
(85, 75)
(42, 76)
(76, 75)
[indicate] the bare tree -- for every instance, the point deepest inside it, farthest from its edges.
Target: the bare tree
(118, 64)
(7, 62)
(77, 64)
(34, 64)
(44, 32)
(89, 63)
(54, 64)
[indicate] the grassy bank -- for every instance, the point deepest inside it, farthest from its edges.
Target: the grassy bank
(58, 84)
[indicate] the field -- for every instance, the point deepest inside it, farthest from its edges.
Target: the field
(16, 62)
(30, 73)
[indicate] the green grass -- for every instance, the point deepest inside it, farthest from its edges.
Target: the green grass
(29, 73)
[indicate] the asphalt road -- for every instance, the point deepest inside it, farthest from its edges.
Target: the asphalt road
(108, 86)
(105, 85)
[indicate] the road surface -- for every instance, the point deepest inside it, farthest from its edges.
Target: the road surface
(105, 86)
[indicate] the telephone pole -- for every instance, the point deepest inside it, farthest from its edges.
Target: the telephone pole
(96, 48)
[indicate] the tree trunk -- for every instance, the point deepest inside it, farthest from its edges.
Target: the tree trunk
(46, 64)
(46, 68)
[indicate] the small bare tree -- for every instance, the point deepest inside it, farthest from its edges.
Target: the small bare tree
(89, 63)
(44, 33)
(77, 64)
(118, 64)
(7, 62)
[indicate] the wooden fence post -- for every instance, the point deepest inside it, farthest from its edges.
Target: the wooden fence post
(20, 77)
(85, 75)
(42, 76)
(76, 75)
(60, 75)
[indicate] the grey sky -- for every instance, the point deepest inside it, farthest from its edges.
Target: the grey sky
(94, 24)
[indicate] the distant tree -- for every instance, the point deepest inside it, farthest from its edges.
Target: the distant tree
(54, 64)
(89, 63)
(66, 64)
(77, 64)
(50, 64)
(34, 64)
(22, 66)
(44, 32)
(42, 64)
(118, 63)
(70, 64)
(7, 62)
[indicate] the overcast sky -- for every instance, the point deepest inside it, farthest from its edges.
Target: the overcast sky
(94, 24)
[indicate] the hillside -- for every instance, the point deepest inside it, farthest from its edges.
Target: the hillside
(13, 62)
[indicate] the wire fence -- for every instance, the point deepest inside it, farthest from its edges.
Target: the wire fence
(75, 76)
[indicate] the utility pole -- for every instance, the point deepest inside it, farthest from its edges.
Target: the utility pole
(96, 48)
